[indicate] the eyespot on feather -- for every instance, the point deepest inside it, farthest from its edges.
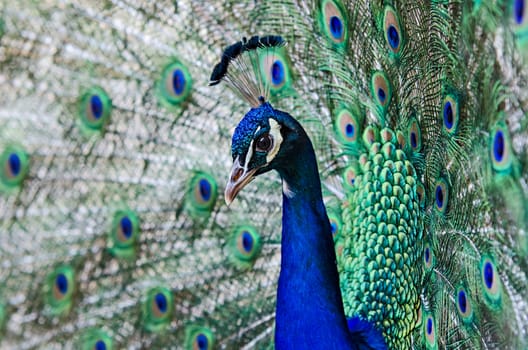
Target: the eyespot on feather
(392, 30)
(14, 162)
(95, 107)
(175, 85)
(60, 287)
(158, 309)
(381, 89)
(124, 233)
(333, 22)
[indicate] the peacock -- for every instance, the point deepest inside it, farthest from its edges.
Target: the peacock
(398, 218)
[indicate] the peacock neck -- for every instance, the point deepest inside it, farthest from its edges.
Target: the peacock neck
(309, 306)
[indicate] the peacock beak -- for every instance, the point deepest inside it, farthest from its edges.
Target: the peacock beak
(238, 179)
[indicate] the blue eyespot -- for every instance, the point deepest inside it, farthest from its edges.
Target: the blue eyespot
(428, 256)
(488, 274)
(277, 73)
(414, 135)
(178, 81)
(333, 22)
(96, 104)
(95, 108)
(429, 326)
(349, 177)
(450, 111)
(498, 146)
(161, 302)
(336, 27)
(60, 289)
(15, 164)
(501, 154)
(347, 125)
(244, 246)
(247, 241)
(349, 130)
(100, 345)
(448, 115)
(393, 30)
(490, 282)
(439, 196)
(202, 342)
(430, 333)
(175, 85)
(462, 301)
(158, 309)
(124, 234)
(414, 141)
(201, 194)
(381, 95)
(199, 338)
(61, 282)
(205, 189)
(518, 10)
(394, 37)
(381, 89)
(126, 227)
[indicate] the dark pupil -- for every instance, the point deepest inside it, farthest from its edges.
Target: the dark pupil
(499, 146)
(462, 301)
(126, 227)
(439, 196)
(97, 106)
(14, 164)
(414, 141)
(519, 11)
(247, 241)
(62, 283)
(161, 302)
(336, 28)
(202, 341)
(429, 326)
(381, 95)
(427, 255)
(394, 39)
(488, 275)
(264, 143)
(205, 189)
(277, 72)
(350, 130)
(178, 82)
(448, 115)
(100, 345)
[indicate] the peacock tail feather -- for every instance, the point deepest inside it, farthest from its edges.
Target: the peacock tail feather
(114, 152)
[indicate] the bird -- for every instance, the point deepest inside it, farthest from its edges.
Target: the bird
(398, 219)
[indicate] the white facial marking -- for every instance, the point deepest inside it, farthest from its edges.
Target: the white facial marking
(277, 139)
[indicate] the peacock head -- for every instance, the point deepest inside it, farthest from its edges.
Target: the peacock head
(263, 140)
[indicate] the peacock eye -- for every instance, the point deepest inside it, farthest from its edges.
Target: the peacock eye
(264, 143)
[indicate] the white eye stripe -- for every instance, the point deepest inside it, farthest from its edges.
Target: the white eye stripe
(277, 139)
(248, 156)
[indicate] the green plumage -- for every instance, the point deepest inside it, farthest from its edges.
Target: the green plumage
(114, 152)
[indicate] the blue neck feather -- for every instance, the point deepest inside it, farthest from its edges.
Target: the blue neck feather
(310, 311)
